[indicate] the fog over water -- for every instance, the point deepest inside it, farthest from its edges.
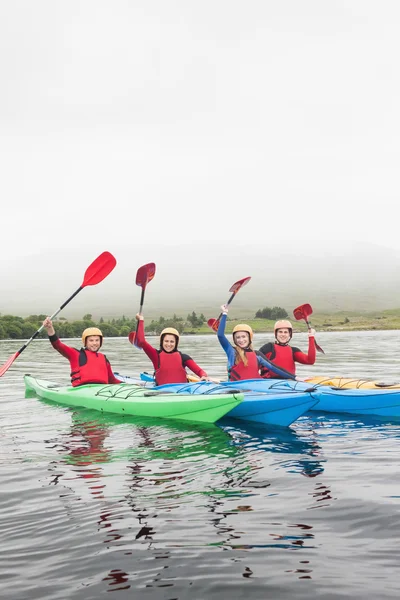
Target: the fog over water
(198, 277)
(217, 141)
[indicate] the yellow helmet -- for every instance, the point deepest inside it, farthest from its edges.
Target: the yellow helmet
(243, 327)
(171, 331)
(283, 325)
(91, 331)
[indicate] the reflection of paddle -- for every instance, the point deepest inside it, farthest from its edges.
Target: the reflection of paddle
(94, 274)
(144, 275)
(302, 312)
(214, 323)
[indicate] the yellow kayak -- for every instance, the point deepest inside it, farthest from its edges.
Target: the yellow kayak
(353, 384)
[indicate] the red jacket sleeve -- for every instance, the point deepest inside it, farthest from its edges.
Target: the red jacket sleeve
(194, 367)
(141, 342)
(111, 377)
(63, 349)
(306, 359)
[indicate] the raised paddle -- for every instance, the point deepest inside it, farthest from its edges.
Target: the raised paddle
(214, 323)
(303, 312)
(94, 274)
(144, 275)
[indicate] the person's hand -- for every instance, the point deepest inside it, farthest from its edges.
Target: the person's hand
(224, 309)
(48, 325)
(299, 378)
(139, 317)
(311, 332)
(211, 379)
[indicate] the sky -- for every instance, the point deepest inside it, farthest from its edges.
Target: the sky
(131, 126)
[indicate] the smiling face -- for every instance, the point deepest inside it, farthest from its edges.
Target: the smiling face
(283, 335)
(168, 342)
(93, 343)
(241, 339)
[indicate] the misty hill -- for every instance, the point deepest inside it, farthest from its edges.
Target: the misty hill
(197, 277)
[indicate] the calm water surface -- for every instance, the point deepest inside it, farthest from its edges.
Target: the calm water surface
(98, 506)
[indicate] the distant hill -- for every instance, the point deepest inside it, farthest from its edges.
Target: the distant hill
(356, 277)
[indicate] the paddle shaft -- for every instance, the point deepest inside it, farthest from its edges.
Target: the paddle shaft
(141, 300)
(94, 274)
(317, 347)
(143, 276)
(51, 318)
(216, 322)
(228, 303)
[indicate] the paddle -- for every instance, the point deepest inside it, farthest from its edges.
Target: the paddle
(94, 274)
(144, 275)
(302, 312)
(214, 323)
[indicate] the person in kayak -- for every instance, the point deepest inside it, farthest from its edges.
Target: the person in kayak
(88, 365)
(169, 363)
(281, 354)
(243, 361)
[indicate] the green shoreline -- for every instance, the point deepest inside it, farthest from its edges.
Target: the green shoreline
(343, 321)
(19, 328)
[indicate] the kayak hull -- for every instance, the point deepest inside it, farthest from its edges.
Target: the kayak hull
(382, 403)
(279, 407)
(357, 396)
(347, 396)
(132, 399)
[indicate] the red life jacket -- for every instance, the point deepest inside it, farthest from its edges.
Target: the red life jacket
(281, 356)
(240, 371)
(92, 368)
(170, 368)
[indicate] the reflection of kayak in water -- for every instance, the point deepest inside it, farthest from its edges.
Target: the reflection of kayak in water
(303, 453)
(91, 439)
(278, 407)
(131, 399)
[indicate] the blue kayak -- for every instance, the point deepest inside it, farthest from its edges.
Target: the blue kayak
(380, 401)
(275, 407)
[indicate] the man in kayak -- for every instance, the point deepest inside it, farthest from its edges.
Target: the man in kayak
(169, 363)
(281, 354)
(88, 365)
(243, 361)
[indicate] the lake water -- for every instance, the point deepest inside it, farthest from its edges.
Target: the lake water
(95, 506)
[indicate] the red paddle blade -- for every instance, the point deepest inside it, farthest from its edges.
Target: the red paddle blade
(8, 364)
(239, 284)
(318, 348)
(213, 323)
(145, 274)
(302, 312)
(99, 269)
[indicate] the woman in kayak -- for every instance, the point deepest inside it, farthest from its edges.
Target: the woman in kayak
(281, 354)
(243, 361)
(168, 362)
(88, 365)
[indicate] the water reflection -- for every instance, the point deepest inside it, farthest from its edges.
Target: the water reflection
(106, 503)
(302, 452)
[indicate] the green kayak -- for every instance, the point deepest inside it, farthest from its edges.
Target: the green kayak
(132, 399)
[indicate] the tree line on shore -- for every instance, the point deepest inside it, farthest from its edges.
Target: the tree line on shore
(20, 328)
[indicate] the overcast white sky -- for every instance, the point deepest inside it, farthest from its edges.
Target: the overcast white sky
(131, 121)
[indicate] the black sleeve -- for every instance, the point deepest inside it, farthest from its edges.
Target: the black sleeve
(185, 357)
(267, 348)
